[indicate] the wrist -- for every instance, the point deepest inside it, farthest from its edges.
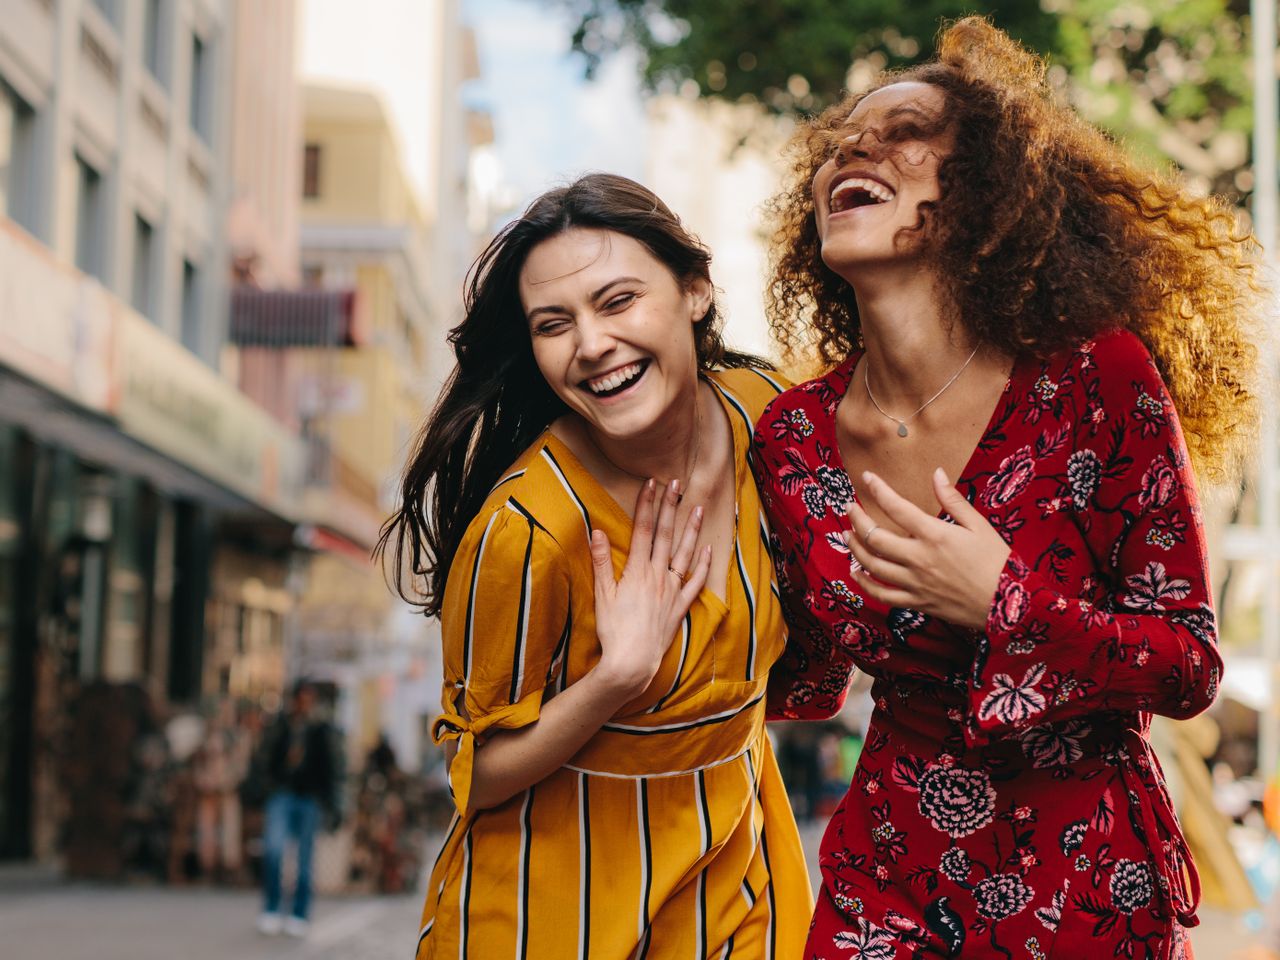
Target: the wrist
(620, 681)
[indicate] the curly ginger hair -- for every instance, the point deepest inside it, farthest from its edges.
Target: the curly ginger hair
(1046, 235)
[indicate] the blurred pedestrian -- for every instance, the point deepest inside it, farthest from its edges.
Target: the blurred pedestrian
(1013, 306)
(302, 770)
(220, 765)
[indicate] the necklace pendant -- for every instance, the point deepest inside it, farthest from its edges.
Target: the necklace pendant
(902, 429)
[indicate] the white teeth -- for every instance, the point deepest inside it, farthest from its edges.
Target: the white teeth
(615, 379)
(878, 190)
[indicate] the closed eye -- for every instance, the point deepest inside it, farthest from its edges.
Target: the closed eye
(620, 302)
(550, 326)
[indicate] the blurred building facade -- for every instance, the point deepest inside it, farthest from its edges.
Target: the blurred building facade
(201, 408)
(716, 165)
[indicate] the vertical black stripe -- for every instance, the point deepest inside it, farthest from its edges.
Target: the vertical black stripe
(751, 611)
(465, 906)
(517, 666)
(728, 949)
(686, 629)
(584, 880)
(646, 853)
(471, 598)
(526, 841)
(773, 924)
(700, 779)
(560, 650)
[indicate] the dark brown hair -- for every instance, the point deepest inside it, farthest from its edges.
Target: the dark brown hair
(1046, 234)
(496, 402)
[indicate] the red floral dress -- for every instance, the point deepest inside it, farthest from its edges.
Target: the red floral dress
(1007, 803)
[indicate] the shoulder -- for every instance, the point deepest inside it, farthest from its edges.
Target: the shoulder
(1115, 358)
(791, 415)
(530, 501)
(750, 389)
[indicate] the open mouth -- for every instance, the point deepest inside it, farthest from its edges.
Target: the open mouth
(615, 381)
(859, 192)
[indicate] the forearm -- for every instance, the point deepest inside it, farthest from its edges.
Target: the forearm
(1051, 658)
(511, 761)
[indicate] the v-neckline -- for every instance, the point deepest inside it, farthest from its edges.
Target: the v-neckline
(843, 380)
(625, 521)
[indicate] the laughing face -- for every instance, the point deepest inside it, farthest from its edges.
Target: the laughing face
(884, 165)
(612, 330)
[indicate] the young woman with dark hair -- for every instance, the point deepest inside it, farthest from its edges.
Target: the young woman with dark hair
(603, 710)
(1012, 304)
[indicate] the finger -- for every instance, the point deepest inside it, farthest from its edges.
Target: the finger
(885, 543)
(886, 571)
(602, 564)
(697, 579)
(955, 503)
(665, 531)
(642, 525)
(897, 508)
(889, 595)
(683, 557)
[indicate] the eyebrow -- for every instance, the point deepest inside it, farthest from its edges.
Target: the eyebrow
(595, 295)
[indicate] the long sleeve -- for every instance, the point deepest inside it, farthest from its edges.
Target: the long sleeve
(505, 624)
(811, 679)
(1142, 637)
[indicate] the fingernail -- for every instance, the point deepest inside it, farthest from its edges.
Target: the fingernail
(940, 475)
(867, 476)
(675, 486)
(649, 484)
(697, 513)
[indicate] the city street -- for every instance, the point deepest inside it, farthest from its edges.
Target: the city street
(41, 917)
(90, 922)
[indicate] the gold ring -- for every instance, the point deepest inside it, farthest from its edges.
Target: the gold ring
(866, 537)
(684, 577)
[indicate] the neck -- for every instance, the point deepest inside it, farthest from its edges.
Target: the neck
(911, 346)
(664, 452)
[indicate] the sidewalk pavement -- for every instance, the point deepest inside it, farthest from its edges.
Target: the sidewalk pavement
(42, 917)
(73, 921)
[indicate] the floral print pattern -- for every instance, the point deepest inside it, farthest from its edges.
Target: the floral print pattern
(1006, 802)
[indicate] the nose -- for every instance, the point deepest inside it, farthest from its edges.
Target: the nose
(595, 339)
(851, 148)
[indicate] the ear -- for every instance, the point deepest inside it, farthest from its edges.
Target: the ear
(701, 296)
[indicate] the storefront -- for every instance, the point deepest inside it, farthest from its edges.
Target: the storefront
(146, 528)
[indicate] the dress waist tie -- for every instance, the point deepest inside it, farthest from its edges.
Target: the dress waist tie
(1151, 813)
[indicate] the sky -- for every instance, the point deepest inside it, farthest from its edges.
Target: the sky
(549, 123)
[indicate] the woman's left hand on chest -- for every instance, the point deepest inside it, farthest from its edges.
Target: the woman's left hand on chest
(945, 570)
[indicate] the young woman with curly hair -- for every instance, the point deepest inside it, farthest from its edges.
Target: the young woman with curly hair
(604, 687)
(988, 505)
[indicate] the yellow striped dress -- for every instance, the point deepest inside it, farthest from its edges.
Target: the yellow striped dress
(669, 834)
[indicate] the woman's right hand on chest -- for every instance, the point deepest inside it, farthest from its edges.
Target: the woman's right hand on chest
(637, 616)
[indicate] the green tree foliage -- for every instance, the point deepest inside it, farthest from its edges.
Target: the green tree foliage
(1171, 78)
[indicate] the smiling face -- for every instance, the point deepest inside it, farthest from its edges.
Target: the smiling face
(884, 165)
(612, 329)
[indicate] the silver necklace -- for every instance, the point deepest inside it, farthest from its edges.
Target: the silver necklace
(902, 423)
(697, 448)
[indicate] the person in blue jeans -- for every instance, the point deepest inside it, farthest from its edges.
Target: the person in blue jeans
(302, 765)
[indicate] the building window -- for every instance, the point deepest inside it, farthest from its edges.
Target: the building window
(201, 89)
(311, 170)
(90, 220)
(17, 158)
(153, 47)
(143, 267)
(191, 306)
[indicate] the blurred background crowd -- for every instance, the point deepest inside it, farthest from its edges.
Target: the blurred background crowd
(233, 235)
